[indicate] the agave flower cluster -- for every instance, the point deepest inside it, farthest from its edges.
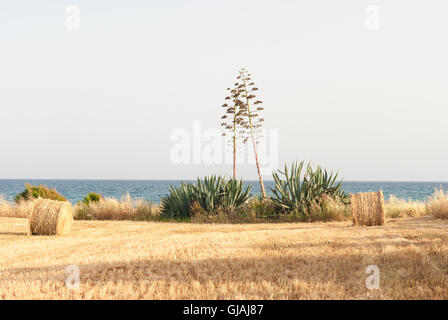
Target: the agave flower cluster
(242, 112)
(251, 109)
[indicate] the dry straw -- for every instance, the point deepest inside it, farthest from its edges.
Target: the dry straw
(368, 209)
(49, 217)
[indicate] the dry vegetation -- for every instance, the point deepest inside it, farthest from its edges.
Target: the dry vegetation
(9, 209)
(255, 211)
(437, 205)
(147, 260)
(399, 208)
(112, 209)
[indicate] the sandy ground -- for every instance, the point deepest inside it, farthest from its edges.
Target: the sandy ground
(143, 260)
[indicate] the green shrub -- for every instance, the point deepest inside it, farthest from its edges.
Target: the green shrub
(92, 197)
(206, 195)
(33, 192)
(302, 189)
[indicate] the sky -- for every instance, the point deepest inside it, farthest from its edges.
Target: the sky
(102, 89)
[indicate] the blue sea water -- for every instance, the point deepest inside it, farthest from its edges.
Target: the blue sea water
(75, 190)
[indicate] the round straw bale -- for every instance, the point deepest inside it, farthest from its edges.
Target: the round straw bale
(49, 217)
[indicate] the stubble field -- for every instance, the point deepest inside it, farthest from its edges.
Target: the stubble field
(147, 260)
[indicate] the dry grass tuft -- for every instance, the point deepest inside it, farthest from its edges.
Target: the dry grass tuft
(50, 217)
(13, 210)
(367, 208)
(112, 209)
(437, 204)
(327, 209)
(399, 208)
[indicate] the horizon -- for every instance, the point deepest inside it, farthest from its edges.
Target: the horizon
(194, 179)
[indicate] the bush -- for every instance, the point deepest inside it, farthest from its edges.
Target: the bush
(207, 195)
(299, 193)
(33, 192)
(92, 197)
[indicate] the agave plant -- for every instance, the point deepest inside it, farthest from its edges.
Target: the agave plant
(234, 194)
(177, 203)
(209, 193)
(303, 185)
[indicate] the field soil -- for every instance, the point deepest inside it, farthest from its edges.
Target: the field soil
(144, 260)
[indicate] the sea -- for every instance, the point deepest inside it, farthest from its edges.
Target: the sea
(153, 190)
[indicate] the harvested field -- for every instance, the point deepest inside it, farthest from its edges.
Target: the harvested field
(147, 260)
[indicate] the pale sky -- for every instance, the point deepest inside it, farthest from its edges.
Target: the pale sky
(101, 102)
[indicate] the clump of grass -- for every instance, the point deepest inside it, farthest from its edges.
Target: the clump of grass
(220, 215)
(254, 210)
(399, 208)
(261, 208)
(437, 204)
(4, 205)
(224, 215)
(327, 209)
(33, 192)
(112, 209)
(13, 210)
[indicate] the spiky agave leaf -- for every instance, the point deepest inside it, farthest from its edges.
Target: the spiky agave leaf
(296, 188)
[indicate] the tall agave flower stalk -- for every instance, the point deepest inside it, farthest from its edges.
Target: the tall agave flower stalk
(232, 120)
(250, 111)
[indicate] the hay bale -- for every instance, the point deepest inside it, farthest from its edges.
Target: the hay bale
(367, 209)
(49, 217)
